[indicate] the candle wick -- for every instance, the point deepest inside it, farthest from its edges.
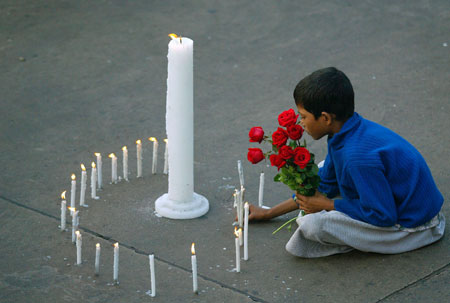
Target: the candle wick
(181, 40)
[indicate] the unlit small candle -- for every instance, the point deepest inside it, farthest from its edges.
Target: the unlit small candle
(125, 163)
(261, 190)
(79, 243)
(139, 158)
(246, 211)
(99, 169)
(151, 259)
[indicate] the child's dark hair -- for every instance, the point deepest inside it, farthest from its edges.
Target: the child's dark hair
(326, 90)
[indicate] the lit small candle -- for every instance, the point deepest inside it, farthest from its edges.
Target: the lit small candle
(155, 154)
(261, 190)
(246, 210)
(99, 169)
(151, 259)
(241, 172)
(79, 243)
(116, 263)
(73, 191)
(63, 211)
(194, 269)
(237, 233)
(97, 259)
(94, 181)
(166, 157)
(125, 162)
(83, 185)
(139, 158)
(113, 168)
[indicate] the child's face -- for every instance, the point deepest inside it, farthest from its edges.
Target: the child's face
(316, 128)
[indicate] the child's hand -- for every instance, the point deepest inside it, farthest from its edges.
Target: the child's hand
(257, 213)
(315, 203)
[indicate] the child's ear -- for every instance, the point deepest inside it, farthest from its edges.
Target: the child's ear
(327, 118)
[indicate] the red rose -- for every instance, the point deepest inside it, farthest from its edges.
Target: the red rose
(256, 134)
(286, 152)
(295, 131)
(287, 118)
(301, 157)
(279, 137)
(255, 155)
(277, 161)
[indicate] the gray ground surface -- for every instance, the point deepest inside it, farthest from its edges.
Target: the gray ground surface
(79, 77)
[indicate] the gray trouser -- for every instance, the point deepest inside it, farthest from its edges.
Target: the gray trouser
(327, 233)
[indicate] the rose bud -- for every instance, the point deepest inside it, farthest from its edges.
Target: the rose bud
(255, 155)
(287, 118)
(286, 152)
(295, 131)
(256, 134)
(301, 157)
(277, 161)
(279, 137)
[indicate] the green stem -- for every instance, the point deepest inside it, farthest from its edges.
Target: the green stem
(279, 228)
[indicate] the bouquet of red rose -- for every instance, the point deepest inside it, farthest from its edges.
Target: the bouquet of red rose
(294, 162)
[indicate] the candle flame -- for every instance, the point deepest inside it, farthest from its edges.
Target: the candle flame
(237, 232)
(93, 164)
(246, 204)
(166, 140)
(112, 155)
(138, 142)
(63, 195)
(153, 139)
(73, 177)
(116, 244)
(77, 233)
(175, 36)
(124, 148)
(193, 248)
(98, 154)
(97, 245)
(83, 167)
(72, 208)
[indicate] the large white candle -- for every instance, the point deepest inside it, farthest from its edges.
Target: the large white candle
(261, 190)
(79, 243)
(194, 269)
(237, 233)
(125, 162)
(63, 211)
(139, 158)
(94, 181)
(246, 209)
(166, 157)
(113, 168)
(151, 260)
(116, 263)
(155, 154)
(241, 172)
(99, 169)
(73, 191)
(97, 259)
(83, 185)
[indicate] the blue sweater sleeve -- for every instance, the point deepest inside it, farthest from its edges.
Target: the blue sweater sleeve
(375, 204)
(328, 182)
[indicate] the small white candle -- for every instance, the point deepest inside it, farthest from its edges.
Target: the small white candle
(63, 211)
(116, 263)
(99, 169)
(241, 172)
(241, 213)
(237, 233)
(74, 222)
(151, 259)
(155, 154)
(125, 162)
(139, 158)
(83, 185)
(194, 269)
(166, 157)
(113, 168)
(97, 259)
(261, 190)
(246, 210)
(73, 191)
(79, 243)
(94, 181)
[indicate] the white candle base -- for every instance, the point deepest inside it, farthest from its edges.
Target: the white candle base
(171, 209)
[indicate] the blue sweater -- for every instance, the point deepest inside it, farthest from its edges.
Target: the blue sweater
(383, 179)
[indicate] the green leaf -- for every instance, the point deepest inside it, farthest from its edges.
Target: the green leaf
(277, 178)
(308, 186)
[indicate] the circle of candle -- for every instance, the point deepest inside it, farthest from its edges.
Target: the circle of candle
(246, 210)
(116, 263)
(237, 233)
(155, 154)
(83, 185)
(241, 172)
(99, 169)
(261, 190)
(93, 181)
(166, 157)
(113, 168)
(181, 202)
(139, 158)
(73, 190)
(194, 269)
(151, 259)
(125, 162)
(79, 243)
(63, 211)
(97, 259)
